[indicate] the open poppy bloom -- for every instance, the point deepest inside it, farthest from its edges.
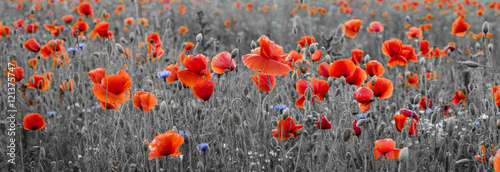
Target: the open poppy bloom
(53, 29)
(316, 56)
(32, 45)
(497, 99)
(101, 30)
(86, 9)
(424, 49)
(32, 28)
(33, 121)
(318, 87)
(203, 89)
(154, 46)
(431, 74)
(394, 48)
(19, 23)
(409, 53)
(424, 103)
(96, 75)
(364, 97)
(197, 69)
(144, 100)
(68, 85)
(351, 27)
(375, 68)
(401, 122)
(67, 18)
(264, 82)
(182, 30)
(173, 68)
(323, 123)
(342, 67)
(165, 144)
(16, 73)
(306, 40)
(4, 31)
(81, 27)
(33, 63)
(286, 128)
(459, 27)
(268, 58)
(39, 82)
(188, 46)
(414, 32)
(223, 61)
(412, 80)
(386, 147)
(459, 96)
(357, 78)
(356, 56)
(409, 114)
(382, 88)
(323, 70)
(489, 152)
(113, 90)
(375, 27)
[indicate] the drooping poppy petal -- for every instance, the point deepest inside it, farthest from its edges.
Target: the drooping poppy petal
(96, 75)
(342, 67)
(223, 61)
(33, 121)
(269, 60)
(375, 68)
(356, 56)
(382, 88)
(204, 89)
(165, 144)
(357, 78)
(144, 100)
(459, 27)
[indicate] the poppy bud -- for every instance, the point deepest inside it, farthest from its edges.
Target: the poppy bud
(286, 111)
(313, 48)
(403, 154)
(77, 31)
(163, 107)
(408, 19)
(145, 145)
(362, 122)
(434, 118)
(342, 80)
(478, 46)
(235, 53)
(238, 40)
(131, 37)
(498, 124)
(253, 45)
(374, 80)
(462, 161)
(294, 31)
(472, 109)
(174, 129)
(367, 58)
(450, 125)
(200, 166)
(42, 153)
(199, 37)
(328, 59)
(490, 47)
(346, 134)
(220, 130)
(486, 27)
(330, 81)
(236, 119)
(119, 48)
(123, 40)
(342, 39)
(470, 64)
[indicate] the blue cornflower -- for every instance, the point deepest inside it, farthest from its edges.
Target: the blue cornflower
(280, 107)
(186, 132)
(71, 49)
(203, 146)
(361, 115)
(163, 74)
(51, 113)
(65, 29)
(475, 123)
(82, 45)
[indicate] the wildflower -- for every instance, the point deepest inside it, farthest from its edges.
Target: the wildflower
(306, 40)
(414, 32)
(85, 8)
(280, 107)
(39, 82)
(342, 67)
(221, 62)
(203, 89)
(197, 69)
(144, 100)
(165, 144)
(323, 123)
(459, 27)
(164, 74)
(51, 113)
(268, 58)
(286, 128)
(318, 87)
(172, 68)
(351, 27)
(264, 82)
(382, 88)
(33, 121)
(203, 146)
(459, 96)
(385, 147)
(364, 97)
(375, 27)
(393, 48)
(32, 45)
(374, 68)
(113, 90)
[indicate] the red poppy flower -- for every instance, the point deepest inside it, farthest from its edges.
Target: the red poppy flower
(101, 30)
(400, 122)
(48, 75)
(32, 45)
(424, 49)
(85, 8)
(113, 90)
(182, 30)
(409, 114)
(33, 63)
(249, 6)
(204, 89)
(497, 99)
(67, 18)
(356, 130)
(375, 27)
(424, 103)
(68, 85)
(33, 121)
(375, 68)
(173, 68)
(489, 152)
(19, 23)
(414, 32)
(268, 58)
(197, 69)
(264, 82)
(17, 74)
(154, 46)
(221, 62)
(351, 27)
(144, 100)
(459, 96)
(119, 9)
(128, 21)
(412, 80)
(364, 97)
(356, 56)
(32, 28)
(409, 53)
(342, 67)
(323, 69)
(96, 75)
(431, 74)
(306, 39)
(188, 46)
(4, 30)
(319, 89)
(39, 82)
(393, 48)
(82, 27)
(165, 144)
(323, 123)
(294, 56)
(382, 88)
(386, 147)
(459, 27)
(316, 56)
(286, 128)
(357, 78)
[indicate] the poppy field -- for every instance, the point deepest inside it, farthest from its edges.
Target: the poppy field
(237, 85)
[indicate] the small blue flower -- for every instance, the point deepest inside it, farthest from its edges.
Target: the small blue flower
(361, 115)
(416, 106)
(164, 74)
(429, 110)
(213, 74)
(186, 132)
(51, 113)
(71, 49)
(203, 146)
(475, 123)
(65, 29)
(81, 45)
(280, 107)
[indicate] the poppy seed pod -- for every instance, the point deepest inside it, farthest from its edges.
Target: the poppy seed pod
(342, 80)
(374, 79)
(342, 39)
(235, 53)
(408, 19)
(478, 46)
(286, 112)
(119, 48)
(313, 48)
(367, 58)
(199, 37)
(236, 119)
(486, 27)
(253, 45)
(42, 153)
(470, 64)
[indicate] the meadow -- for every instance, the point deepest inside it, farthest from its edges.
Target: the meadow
(282, 85)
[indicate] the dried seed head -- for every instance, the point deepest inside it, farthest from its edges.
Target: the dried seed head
(235, 53)
(486, 27)
(199, 37)
(253, 45)
(119, 48)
